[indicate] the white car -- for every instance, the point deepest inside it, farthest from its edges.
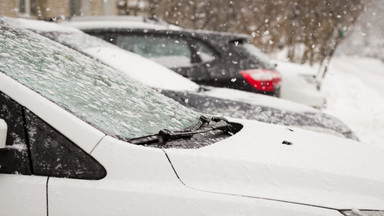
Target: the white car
(218, 101)
(300, 85)
(83, 139)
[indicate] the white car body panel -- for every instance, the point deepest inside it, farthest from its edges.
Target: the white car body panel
(140, 181)
(3, 133)
(317, 169)
(77, 130)
(22, 195)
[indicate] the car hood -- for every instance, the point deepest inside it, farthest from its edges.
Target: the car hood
(286, 164)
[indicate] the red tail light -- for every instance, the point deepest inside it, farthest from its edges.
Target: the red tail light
(262, 80)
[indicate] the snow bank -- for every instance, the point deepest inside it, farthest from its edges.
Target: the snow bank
(355, 93)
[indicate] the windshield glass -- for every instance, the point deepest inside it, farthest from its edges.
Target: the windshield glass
(257, 53)
(90, 90)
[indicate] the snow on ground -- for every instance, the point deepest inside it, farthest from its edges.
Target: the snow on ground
(354, 88)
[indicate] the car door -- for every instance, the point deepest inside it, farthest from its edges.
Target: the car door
(21, 193)
(170, 50)
(35, 153)
(205, 62)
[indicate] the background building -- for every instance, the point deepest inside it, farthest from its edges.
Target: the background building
(43, 9)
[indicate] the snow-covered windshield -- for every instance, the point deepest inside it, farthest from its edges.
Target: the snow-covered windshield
(135, 66)
(90, 90)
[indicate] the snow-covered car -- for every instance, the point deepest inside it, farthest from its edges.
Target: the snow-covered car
(300, 85)
(83, 139)
(218, 101)
(130, 32)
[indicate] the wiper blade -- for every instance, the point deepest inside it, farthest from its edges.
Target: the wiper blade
(214, 123)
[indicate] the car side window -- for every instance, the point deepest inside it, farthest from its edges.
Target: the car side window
(205, 53)
(14, 158)
(35, 148)
(168, 51)
(53, 154)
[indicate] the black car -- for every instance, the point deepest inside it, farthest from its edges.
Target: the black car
(206, 57)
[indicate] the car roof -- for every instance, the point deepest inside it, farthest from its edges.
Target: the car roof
(147, 25)
(135, 22)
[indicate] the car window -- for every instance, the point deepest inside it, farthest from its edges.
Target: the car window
(34, 147)
(168, 51)
(205, 53)
(251, 49)
(99, 95)
(14, 158)
(53, 154)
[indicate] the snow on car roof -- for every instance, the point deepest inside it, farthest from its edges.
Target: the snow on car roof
(40, 26)
(135, 66)
(136, 22)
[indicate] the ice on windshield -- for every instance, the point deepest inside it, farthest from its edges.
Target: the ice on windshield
(90, 90)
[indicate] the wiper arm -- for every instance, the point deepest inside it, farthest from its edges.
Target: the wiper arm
(165, 135)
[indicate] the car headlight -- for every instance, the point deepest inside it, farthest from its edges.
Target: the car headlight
(356, 212)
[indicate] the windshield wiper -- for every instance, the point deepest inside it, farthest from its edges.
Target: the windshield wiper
(205, 124)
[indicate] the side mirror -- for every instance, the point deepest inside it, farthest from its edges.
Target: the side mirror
(3, 133)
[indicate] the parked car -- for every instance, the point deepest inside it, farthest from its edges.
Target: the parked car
(213, 100)
(83, 139)
(300, 85)
(207, 58)
(293, 87)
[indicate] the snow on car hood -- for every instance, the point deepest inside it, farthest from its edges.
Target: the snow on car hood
(257, 99)
(287, 164)
(142, 70)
